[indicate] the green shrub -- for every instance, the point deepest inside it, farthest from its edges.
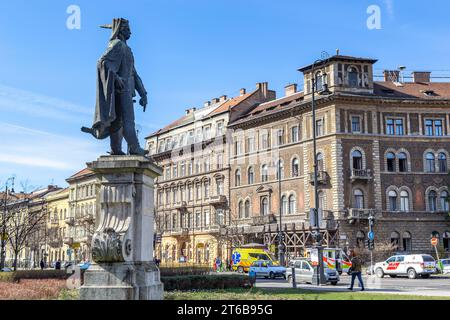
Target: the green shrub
(39, 274)
(202, 282)
(184, 270)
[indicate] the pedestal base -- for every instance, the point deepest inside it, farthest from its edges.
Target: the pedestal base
(122, 281)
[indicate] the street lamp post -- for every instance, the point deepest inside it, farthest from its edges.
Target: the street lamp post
(319, 277)
(3, 236)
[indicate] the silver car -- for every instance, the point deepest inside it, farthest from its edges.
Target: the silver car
(304, 272)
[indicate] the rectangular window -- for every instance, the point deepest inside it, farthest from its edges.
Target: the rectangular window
(294, 134)
(433, 127)
(251, 144)
(238, 147)
(206, 133)
(395, 127)
(183, 169)
(264, 140)
(197, 219)
(356, 124)
(175, 171)
(319, 128)
(190, 138)
(399, 127)
(219, 128)
(207, 218)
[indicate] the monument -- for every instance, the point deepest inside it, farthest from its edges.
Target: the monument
(122, 245)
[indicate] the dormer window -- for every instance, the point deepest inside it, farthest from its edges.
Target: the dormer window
(319, 81)
(352, 77)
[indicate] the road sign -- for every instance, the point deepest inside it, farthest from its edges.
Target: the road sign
(434, 241)
(371, 235)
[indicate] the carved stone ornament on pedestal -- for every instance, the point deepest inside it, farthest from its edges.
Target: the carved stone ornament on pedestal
(122, 245)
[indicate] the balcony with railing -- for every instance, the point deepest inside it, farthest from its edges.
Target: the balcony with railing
(263, 220)
(361, 174)
(182, 205)
(322, 177)
(360, 213)
(218, 200)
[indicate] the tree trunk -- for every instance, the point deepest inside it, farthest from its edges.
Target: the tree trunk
(15, 261)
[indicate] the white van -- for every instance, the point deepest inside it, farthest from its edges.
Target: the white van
(411, 265)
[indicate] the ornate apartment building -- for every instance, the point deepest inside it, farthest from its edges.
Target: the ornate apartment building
(81, 216)
(192, 197)
(382, 149)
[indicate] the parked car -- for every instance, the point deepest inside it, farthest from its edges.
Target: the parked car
(267, 269)
(445, 263)
(6, 270)
(304, 272)
(411, 265)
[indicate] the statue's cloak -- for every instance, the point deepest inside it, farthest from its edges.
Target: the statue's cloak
(106, 121)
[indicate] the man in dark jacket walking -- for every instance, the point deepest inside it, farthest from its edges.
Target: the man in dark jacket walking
(356, 271)
(42, 264)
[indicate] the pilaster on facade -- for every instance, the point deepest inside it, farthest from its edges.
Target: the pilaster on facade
(377, 175)
(306, 171)
(337, 176)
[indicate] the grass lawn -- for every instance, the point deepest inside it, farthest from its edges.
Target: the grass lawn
(287, 294)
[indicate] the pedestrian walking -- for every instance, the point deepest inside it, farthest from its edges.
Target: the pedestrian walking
(356, 271)
(42, 264)
(58, 265)
(218, 264)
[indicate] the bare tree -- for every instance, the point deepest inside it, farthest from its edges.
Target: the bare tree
(26, 224)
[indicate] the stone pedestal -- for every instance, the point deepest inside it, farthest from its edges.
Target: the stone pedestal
(122, 245)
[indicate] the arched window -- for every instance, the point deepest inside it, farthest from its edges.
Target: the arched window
(429, 164)
(392, 195)
(432, 201)
(407, 243)
(264, 173)
(319, 81)
(237, 178)
(357, 160)
(264, 206)
(251, 175)
(404, 200)
(358, 199)
(442, 158)
(292, 204)
(241, 209)
(247, 209)
(295, 167)
(280, 169)
(395, 238)
(390, 162)
(444, 201)
(284, 205)
(402, 162)
(320, 162)
(353, 77)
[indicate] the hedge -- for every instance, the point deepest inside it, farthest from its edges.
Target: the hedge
(197, 282)
(184, 271)
(16, 276)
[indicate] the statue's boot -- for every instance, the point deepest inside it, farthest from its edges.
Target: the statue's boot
(138, 151)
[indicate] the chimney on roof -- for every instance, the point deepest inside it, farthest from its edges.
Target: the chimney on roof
(263, 87)
(191, 110)
(207, 104)
(290, 89)
(421, 76)
(242, 91)
(223, 98)
(215, 100)
(391, 75)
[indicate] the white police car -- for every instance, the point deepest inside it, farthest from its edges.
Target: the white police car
(411, 265)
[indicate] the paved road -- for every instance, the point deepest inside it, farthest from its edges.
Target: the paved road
(434, 286)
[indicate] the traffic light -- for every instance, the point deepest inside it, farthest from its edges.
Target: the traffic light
(371, 244)
(371, 222)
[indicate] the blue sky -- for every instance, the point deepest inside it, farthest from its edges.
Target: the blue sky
(186, 52)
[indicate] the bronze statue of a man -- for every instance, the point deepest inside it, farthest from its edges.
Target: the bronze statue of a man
(117, 83)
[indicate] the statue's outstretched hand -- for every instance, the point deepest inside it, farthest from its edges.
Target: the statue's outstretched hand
(143, 102)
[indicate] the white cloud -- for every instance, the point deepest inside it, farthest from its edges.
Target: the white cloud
(36, 148)
(40, 106)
